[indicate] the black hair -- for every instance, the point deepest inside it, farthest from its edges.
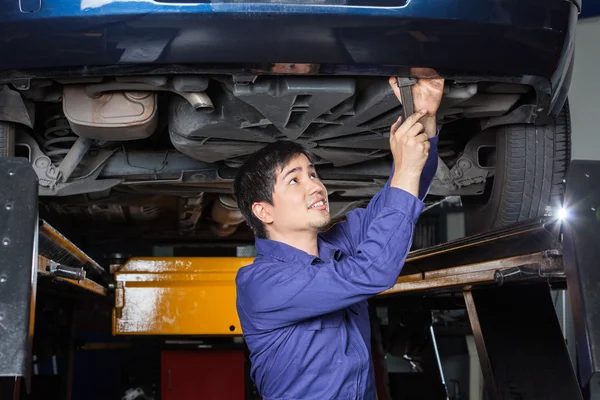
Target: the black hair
(255, 179)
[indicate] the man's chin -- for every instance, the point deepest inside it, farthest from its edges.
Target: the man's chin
(321, 223)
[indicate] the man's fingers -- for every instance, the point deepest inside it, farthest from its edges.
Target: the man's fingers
(424, 73)
(410, 127)
(393, 81)
(395, 126)
(427, 145)
(413, 119)
(422, 137)
(415, 130)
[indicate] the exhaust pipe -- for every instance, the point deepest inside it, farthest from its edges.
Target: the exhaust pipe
(226, 215)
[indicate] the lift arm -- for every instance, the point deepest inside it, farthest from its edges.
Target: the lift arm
(482, 267)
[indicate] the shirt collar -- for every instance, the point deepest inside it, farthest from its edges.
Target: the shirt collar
(286, 253)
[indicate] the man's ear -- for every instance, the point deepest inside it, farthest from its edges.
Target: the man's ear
(263, 211)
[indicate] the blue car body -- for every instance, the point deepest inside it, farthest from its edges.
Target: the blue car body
(504, 40)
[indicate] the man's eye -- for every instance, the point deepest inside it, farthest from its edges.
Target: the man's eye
(293, 181)
(313, 176)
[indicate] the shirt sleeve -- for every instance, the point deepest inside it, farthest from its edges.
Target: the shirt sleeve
(274, 296)
(348, 234)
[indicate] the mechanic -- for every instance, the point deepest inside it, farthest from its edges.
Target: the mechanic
(302, 304)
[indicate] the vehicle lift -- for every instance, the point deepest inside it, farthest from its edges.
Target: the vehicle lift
(505, 278)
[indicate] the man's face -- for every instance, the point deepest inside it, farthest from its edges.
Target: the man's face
(299, 198)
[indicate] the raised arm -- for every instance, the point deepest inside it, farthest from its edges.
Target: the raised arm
(295, 292)
(274, 295)
(348, 235)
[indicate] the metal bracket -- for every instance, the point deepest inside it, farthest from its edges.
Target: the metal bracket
(14, 109)
(18, 265)
(467, 170)
(244, 79)
(51, 177)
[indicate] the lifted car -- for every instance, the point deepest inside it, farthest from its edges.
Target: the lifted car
(135, 114)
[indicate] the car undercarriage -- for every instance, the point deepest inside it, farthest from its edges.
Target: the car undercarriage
(153, 156)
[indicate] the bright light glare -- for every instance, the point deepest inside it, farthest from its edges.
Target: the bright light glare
(563, 213)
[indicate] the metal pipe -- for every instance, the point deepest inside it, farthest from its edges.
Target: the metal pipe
(57, 269)
(227, 216)
(151, 164)
(198, 99)
(73, 157)
(439, 361)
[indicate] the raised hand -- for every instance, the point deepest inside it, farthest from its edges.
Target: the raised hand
(410, 145)
(427, 94)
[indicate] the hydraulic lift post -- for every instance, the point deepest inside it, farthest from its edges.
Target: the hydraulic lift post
(581, 256)
(505, 276)
(18, 272)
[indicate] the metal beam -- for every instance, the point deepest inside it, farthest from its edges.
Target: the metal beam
(582, 254)
(18, 278)
(537, 266)
(54, 246)
(521, 348)
(527, 237)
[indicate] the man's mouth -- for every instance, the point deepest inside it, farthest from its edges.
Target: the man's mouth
(319, 205)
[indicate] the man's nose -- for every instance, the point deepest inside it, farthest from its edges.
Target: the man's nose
(314, 187)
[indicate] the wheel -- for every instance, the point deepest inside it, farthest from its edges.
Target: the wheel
(7, 139)
(531, 164)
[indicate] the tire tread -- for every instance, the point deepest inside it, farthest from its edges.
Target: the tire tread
(536, 164)
(535, 159)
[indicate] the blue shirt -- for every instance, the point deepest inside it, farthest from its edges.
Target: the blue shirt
(305, 319)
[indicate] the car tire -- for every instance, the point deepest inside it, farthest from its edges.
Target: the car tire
(531, 165)
(7, 139)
